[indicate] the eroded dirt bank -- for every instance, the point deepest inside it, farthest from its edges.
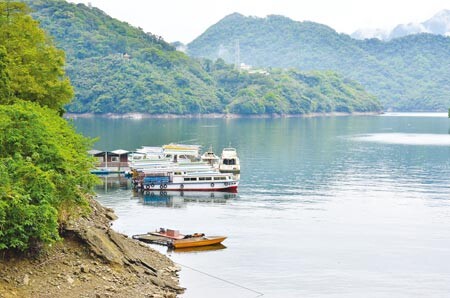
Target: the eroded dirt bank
(92, 261)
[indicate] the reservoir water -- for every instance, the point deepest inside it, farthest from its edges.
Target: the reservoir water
(327, 207)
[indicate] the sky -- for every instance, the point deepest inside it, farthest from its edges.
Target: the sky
(184, 20)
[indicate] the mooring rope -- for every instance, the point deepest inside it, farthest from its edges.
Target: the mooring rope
(224, 280)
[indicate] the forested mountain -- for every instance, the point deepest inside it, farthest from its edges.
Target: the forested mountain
(409, 73)
(117, 68)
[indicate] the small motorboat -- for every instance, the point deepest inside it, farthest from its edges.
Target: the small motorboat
(174, 239)
(197, 241)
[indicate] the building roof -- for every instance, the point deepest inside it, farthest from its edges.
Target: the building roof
(94, 152)
(120, 152)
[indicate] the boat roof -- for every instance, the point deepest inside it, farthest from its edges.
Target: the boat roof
(229, 152)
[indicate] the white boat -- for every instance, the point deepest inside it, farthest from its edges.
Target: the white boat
(179, 167)
(186, 181)
(167, 154)
(229, 162)
(210, 158)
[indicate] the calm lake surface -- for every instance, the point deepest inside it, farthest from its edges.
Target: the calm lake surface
(327, 207)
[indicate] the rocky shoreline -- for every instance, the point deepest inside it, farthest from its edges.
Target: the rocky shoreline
(92, 261)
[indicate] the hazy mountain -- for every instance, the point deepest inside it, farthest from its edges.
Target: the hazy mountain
(439, 24)
(371, 33)
(409, 73)
(117, 68)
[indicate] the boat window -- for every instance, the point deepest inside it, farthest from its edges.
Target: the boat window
(202, 178)
(208, 178)
(190, 179)
(230, 162)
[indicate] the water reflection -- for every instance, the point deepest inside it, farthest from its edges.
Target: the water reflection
(197, 249)
(112, 182)
(406, 139)
(179, 199)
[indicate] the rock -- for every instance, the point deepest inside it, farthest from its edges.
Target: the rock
(26, 280)
(111, 216)
(84, 268)
(70, 280)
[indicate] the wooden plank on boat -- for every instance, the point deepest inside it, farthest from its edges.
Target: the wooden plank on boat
(154, 239)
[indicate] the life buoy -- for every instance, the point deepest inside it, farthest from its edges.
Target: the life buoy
(165, 185)
(212, 184)
(161, 186)
(147, 187)
(182, 186)
(152, 184)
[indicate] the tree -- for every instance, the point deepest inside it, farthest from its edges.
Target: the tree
(5, 89)
(44, 175)
(44, 168)
(34, 65)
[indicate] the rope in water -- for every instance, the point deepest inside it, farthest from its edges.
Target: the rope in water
(224, 280)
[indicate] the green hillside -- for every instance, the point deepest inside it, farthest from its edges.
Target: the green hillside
(411, 73)
(117, 68)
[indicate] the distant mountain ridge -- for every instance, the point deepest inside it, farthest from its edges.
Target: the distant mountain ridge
(410, 73)
(117, 68)
(439, 24)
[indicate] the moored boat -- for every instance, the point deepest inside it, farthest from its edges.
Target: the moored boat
(211, 158)
(185, 181)
(174, 239)
(229, 162)
(197, 241)
(179, 167)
